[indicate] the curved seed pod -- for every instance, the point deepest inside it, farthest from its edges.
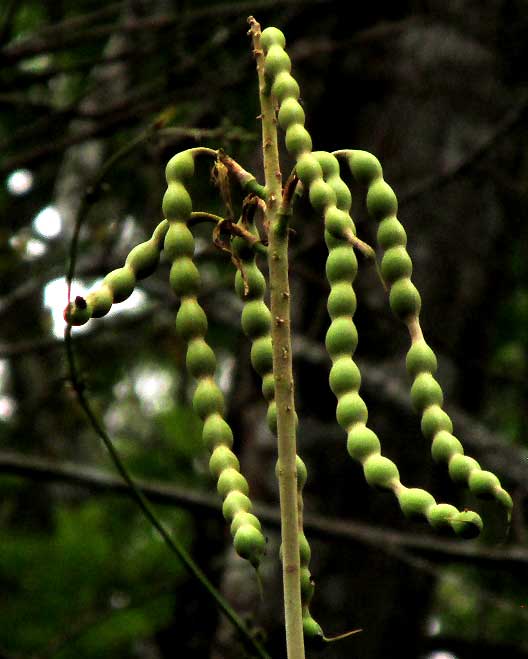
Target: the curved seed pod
(341, 341)
(208, 400)
(426, 392)
(119, 284)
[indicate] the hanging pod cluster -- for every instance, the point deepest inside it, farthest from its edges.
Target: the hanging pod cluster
(318, 175)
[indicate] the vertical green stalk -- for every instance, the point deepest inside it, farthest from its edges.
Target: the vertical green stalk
(282, 360)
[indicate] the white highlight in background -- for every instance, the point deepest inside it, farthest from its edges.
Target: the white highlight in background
(48, 223)
(19, 182)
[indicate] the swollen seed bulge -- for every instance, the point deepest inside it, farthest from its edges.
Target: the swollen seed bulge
(362, 442)
(404, 299)
(381, 200)
(262, 355)
(298, 140)
(441, 516)
(342, 300)
(342, 193)
(184, 277)
(467, 524)
(271, 36)
(143, 259)
(435, 419)
(200, 359)
(341, 337)
(308, 169)
(100, 301)
(391, 233)
(444, 446)
(208, 399)
(365, 167)
(396, 263)
(484, 484)
(420, 358)
(235, 502)
(191, 320)
(255, 281)
(222, 458)
(425, 391)
(415, 502)
(321, 195)
(380, 472)
(121, 282)
(460, 468)
(341, 264)
(179, 241)
(344, 376)
(177, 204)
(180, 167)
(256, 319)
(291, 112)
(268, 387)
(285, 86)
(231, 480)
(250, 544)
(277, 60)
(336, 221)
(216, 431)
(351, 409)
(244, 519)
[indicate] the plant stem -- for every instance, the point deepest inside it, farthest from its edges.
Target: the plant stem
(282, 360)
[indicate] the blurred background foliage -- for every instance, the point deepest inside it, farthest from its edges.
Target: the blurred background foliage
(438, 91)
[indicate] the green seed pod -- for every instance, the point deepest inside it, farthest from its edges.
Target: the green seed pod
(380, 472)
(396, 263)
(177, 204)
(308, 169)
(271, 36)
(365, 167)
(285, 86)
(301, 472)
(321, 194)
(191, 320)
(362, 442)
(184, 277)
(222, 458)
(505, 500)
(342, 193)
(291, 112)
(467, 524)
(435, 419)
(180, 167)
(250, 544)
(445, 445)
(341, 337)
(313, 633)
(200, 359)
(256, 319)
(305, 552)
(344, 376)
(484, 484)
(461, 466)
(441, 516)
(255, 281)
(415, 502)
(420, 358)
(298, 140)
(342, 300)
(121, 282)
(143, 259)
(77, 315)
(216, 431)
(404, 299)
(391, 233)
(351, 409)
(244, 519)
(337, 222)
(268, 386)
(100, 301)
(328, 162)
(341, 264)
(179, 241)
(277, 60)
(425, 392)
(271, 417)
(381, 200)
(307, 584)
(262, 355)
(208, 399)
(235, 502)
(231, 480)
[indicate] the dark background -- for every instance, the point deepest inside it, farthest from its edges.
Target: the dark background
(438, 91)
